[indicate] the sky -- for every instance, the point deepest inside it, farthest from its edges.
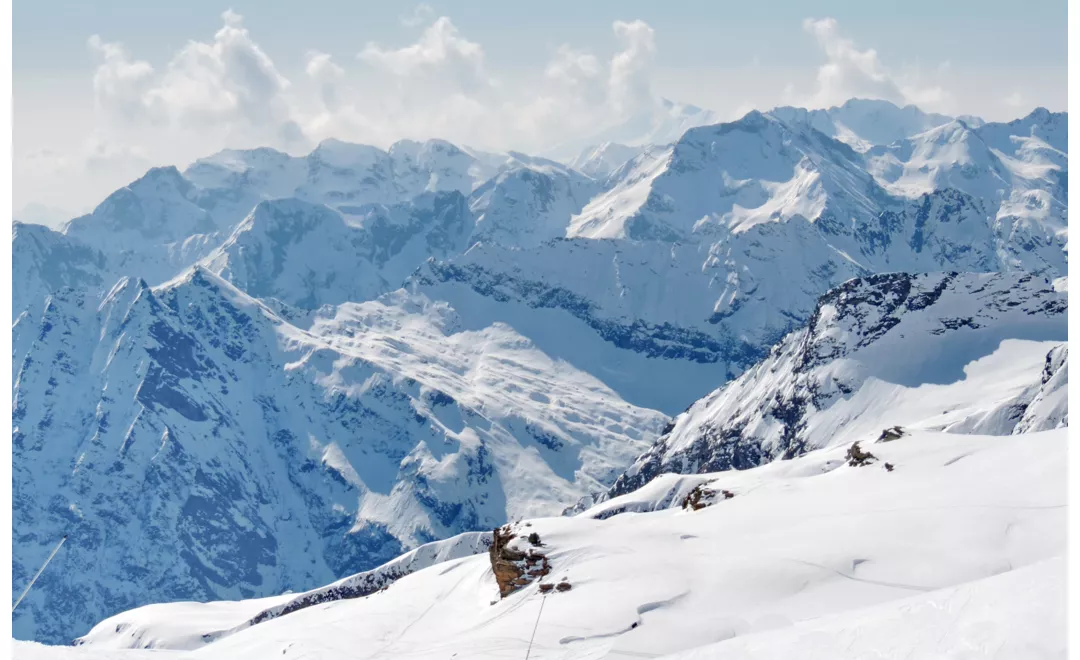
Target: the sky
(103, 91)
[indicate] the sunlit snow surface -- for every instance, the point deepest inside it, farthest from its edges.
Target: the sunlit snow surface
(931, 558)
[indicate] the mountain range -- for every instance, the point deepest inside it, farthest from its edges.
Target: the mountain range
(267, 372)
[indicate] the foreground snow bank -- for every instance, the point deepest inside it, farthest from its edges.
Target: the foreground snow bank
(186, 626)
(806, 548)
(1017, 614)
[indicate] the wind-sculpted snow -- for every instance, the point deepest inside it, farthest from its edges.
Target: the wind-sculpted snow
(196, 446)
(966, 353)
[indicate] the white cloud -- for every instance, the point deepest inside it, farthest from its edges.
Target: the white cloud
(629, 79)
(1014, 100)
(120, 83)
(441, 54)
(578, 73)
(325, 73)
(851, 72)
(228, 80)
(848, 72)
(228, 84)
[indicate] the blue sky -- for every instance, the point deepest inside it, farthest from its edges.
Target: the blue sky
(492, 74)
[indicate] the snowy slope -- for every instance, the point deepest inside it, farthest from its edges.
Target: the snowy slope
(309, 255)
(805, 547)
(338, 174)
(209, 449)
(687, 239)
(661, 123)
(601, 160)
(980, 344)
(45, 261)
(153, 228)
(192, 625)
(863, 123)
(1016, 614)
(529, 201)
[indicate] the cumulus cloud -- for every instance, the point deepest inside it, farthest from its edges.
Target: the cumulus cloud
(227, 83)
(227, 89)
(229, 79)
(120, 82)
(629, 78)
(327, 75)
(850, 72)
(578, 73)
(441, 54)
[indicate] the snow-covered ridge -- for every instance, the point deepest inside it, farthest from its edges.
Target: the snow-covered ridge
(140, 628)
(942, 349)
(309, 255)
(863, 123)
(219, 452)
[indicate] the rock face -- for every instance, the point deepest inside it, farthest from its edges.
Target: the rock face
(513, 567)
(825, 380)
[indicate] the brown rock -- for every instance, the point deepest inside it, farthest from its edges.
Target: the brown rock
(856, 457)
(513, 568)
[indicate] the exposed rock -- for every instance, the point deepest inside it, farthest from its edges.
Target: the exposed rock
(562, 586)
(889, 467)
(702, 496)
(856, 457)
(514, 568)
(890, 434)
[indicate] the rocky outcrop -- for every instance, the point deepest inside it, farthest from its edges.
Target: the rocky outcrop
(513, 567)
(702, 496)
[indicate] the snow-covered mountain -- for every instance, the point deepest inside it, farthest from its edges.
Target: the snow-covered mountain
(44, 261)
(600, 161)
(678, 257)
(529, 201)
(212, 450)
(863, 123)
(296, 367)
(964, 353)
(660, 123)
(309, 255)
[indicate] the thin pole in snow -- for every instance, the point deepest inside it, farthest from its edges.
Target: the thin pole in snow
(40, 571)
(535, 626)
